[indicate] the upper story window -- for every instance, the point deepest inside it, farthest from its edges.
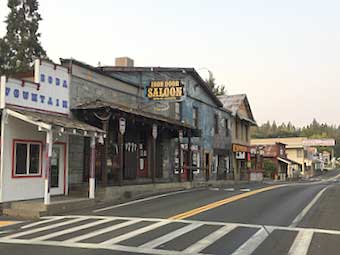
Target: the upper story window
(237, 131)
(27, 159)
(195, 116)
(216, 123)
(246, 127)
(178, 112)
(226, 127)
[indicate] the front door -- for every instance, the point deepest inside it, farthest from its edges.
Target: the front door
(57, 169)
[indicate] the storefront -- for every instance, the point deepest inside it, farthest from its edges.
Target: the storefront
(35, 130)
(241, 155)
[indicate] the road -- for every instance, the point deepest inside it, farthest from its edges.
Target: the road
(294, 218)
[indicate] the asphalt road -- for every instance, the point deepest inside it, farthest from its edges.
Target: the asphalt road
(294, 218)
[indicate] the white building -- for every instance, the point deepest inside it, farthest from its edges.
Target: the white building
(36, 123)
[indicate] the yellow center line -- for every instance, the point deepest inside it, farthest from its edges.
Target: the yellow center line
(7, 223)
(228, 200)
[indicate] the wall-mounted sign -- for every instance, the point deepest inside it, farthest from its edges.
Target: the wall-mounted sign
(48, 92)
(240, 155)
(170, 90)
(122, 125)
(319, 142)
(180, 136)
(240, 148)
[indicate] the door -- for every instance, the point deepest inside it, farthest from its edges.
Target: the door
(207, 166)
(58, 169)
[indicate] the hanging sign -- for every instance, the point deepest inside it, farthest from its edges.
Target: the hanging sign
(122, 125)
(170, 90)
(154, 131)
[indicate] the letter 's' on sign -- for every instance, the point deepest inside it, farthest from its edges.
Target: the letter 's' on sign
(168, 90)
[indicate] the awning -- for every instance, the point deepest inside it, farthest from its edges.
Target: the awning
(54, 122)
(288, 161)
(98, 104)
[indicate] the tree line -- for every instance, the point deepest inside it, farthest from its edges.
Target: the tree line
(314, 130)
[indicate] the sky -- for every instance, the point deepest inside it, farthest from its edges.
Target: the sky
(285, 55)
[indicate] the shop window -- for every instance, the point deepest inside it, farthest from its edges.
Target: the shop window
(215, 164)
(196, 161)
(178, 114)
(27, 159)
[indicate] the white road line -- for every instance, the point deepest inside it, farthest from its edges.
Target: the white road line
(43, 228)
(133, 233)
(170, 236)
(301, 243)
(303, 213)
(253, 242)
(143, 200)
(70, 230)
(95, 246)
(230, 189)
(34, 224)
(210, 239)
(101, 231)
(245, 190)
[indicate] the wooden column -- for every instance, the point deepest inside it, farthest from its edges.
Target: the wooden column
(121, 158)
(189, 157)
(154, 157)
(49, 144)
(92, 174)
(104, 160)
(180, 138)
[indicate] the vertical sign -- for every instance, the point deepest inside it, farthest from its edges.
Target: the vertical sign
(122, 125)
(154, 131)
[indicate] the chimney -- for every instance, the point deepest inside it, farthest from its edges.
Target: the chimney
(124, 62)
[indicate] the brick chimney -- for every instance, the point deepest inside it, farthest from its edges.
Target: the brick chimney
(124, 62)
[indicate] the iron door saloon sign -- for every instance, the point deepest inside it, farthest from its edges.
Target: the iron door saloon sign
(170, 90)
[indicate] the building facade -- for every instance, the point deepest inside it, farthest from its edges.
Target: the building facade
(240, 123)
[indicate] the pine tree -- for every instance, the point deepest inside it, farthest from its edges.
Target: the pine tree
(218, 90)
(21, 44)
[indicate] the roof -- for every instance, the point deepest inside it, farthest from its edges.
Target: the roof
(102, 104)
(56, 120)
(233, 104)
(291, 142)
(192, 71)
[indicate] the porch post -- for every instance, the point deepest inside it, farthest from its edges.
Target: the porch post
(154, 158)
(92, 181)
(189, 157)
(180, 138)
(49, 144)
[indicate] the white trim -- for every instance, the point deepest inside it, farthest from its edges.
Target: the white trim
(27, 119)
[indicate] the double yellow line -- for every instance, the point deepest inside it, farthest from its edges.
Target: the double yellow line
(7, 223)
(228, 200)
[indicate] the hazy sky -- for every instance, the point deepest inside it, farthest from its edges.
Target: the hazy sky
(285, 54)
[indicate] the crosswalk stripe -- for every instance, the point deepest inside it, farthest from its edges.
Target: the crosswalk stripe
(71, 230)
(253, 242)
(210, 239)
(101, 231)
(44, 228)
(301, 243)
(34, 224)
(170, 236)
(135, 233)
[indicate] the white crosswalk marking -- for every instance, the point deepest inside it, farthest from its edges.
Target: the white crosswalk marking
(101, 231)
(43, 235)
(253, 242)
(301, 243)
(135, 233)
(71, 230)
(210, 239)
(168, 237)
(29, 232)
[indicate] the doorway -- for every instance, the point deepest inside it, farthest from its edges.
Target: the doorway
(207, 166)
(58, 169)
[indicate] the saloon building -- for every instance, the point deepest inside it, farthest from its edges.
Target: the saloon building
(162, 125)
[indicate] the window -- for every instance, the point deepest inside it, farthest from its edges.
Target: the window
(195, 117)
(236, 129)
(27, 158)
(178, 115)
(226, 127)
(299, 153)
(216, 124)
(247, 132)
